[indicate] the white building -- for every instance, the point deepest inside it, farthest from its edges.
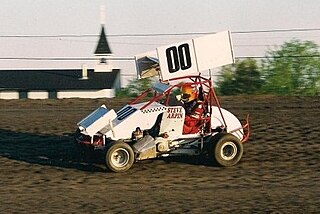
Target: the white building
(99, 82)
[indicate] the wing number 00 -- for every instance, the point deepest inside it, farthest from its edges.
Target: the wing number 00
(178, 58)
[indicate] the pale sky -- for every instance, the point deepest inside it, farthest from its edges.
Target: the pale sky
(82, 17)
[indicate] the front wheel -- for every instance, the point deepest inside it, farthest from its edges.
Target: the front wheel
(227, 149)
(119, 157)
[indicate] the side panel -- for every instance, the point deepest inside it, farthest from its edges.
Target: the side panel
(232, 121)
(172, 122)
(129, 118)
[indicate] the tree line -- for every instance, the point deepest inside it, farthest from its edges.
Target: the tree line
(291, 69)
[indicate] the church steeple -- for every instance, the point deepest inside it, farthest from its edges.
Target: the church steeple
(103, 48)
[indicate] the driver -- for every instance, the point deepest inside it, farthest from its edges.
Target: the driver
(193, 107)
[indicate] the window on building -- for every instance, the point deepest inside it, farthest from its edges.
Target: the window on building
(53, 95)
(23, 95)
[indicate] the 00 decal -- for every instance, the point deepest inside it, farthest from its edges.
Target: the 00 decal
(178, 58)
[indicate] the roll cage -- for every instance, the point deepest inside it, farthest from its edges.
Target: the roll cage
(207, 94)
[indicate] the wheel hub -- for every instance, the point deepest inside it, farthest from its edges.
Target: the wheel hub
(229, 151)
(120, 157)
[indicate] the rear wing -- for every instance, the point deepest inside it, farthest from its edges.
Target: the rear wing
(186, 58)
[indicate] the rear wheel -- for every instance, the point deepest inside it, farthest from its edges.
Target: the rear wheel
(119, 157)
(226, 149)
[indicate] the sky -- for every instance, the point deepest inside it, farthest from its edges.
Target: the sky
(135, 17)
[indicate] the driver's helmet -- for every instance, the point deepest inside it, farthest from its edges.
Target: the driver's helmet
(188, 93)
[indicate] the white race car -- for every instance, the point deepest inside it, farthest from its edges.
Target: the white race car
(144, 130)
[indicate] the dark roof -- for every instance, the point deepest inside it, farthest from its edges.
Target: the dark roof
(103, 46)
(60, 79)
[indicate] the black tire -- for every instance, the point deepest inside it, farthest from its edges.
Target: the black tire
(226, 149)
(119, 157)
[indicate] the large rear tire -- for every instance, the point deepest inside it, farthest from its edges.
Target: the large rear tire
(226, 149)
(119, 157)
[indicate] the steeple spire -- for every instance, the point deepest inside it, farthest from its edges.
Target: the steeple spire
(103, 47)
(103, 50)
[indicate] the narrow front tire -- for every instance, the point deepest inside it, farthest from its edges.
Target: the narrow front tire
(119, 157)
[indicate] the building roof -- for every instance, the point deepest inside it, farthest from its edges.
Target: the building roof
(58, 79)
(103, 46)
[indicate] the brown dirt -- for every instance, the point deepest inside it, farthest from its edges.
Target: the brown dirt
(41, 172)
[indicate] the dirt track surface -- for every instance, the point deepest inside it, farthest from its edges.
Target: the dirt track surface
(41, 172)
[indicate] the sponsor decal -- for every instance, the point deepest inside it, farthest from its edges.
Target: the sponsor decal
(174, 113)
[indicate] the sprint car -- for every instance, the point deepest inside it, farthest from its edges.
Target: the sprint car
(151, 129)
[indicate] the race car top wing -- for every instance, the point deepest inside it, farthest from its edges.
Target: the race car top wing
(187, 58)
